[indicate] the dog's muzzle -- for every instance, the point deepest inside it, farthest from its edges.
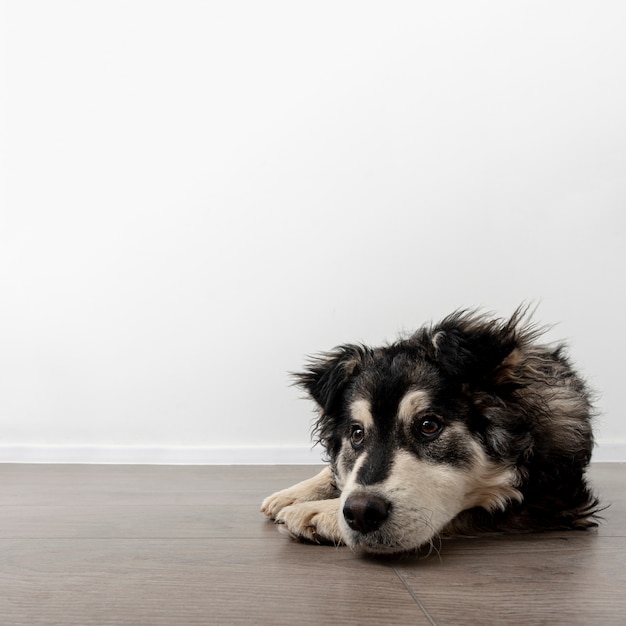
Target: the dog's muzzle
(364, 513)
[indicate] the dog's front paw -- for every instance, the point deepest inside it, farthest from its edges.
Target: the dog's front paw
(279, 500)
(319, 487)
(312, 521)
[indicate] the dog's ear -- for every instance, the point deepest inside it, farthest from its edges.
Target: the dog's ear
(327, 375)
(473, 349)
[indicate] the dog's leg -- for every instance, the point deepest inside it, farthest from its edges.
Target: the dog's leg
(320, 487)
(308, 510)
(315, 521)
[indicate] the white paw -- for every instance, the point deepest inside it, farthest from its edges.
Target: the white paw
(281, 499)
(312, 521)
(319, 487)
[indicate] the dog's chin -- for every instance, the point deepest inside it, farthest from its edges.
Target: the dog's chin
(380, 546)
(381, 543)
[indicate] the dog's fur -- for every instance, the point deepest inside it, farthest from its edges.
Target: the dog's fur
(467, 426)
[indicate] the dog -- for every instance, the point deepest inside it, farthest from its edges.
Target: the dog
(467, 426)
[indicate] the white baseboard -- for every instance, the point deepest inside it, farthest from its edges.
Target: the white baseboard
(165, 455)
(605, 451)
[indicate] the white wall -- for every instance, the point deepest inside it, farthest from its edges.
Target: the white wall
(198, 194)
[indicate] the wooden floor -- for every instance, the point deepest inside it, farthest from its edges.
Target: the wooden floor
(179, 545)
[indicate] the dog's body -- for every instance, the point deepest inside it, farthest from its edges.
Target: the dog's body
(467, 426)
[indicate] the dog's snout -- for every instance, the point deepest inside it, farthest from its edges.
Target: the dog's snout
(365, 513)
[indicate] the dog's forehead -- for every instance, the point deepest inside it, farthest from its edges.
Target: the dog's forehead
(395, 383)
(412, 402)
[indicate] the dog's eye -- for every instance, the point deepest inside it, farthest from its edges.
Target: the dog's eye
(357, 435)
(429, 427)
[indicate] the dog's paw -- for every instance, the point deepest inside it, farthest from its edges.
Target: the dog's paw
(319, 487)
(279, 500)
(312, 521)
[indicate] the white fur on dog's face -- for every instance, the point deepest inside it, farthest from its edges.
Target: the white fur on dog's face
(424, 493)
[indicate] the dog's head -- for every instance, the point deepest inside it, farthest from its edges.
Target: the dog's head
(427, 427)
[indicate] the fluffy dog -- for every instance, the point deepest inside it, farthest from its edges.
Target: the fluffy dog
(466, 426)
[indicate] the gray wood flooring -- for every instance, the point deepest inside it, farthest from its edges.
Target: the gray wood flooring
(95, 544)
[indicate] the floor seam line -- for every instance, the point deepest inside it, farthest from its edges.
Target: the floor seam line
(415, 597)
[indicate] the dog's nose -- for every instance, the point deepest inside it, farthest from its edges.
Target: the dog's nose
(365, 513)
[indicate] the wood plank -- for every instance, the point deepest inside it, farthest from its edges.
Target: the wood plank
(134, 521)
(576, 578)
(146, 484)
(174, 581)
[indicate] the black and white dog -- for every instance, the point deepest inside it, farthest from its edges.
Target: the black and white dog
(466, 426)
